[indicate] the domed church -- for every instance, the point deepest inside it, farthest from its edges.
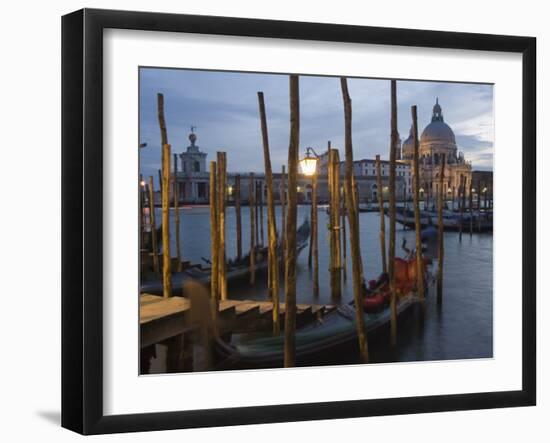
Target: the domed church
(437, 142)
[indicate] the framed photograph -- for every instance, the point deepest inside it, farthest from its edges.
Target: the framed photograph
(269, 221)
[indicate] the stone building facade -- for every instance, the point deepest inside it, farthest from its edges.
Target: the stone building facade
(193, 178)
(437, 142)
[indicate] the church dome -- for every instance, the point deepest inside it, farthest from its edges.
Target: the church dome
(438, 131)
(408, 145)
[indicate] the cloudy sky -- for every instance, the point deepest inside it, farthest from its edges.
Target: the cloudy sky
(224, 108)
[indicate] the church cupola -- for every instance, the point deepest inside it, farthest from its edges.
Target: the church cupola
(437, 116)
(193, 138)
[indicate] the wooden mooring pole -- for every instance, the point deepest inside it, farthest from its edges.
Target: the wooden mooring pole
(261, 203)
(256, 214)
(238, 216)
(251, 205)
(391, 264)
(440, 237)
(335, 253)
(154, 246)
(222, 195)
(343, 214)
(353, 220)
(214, 233)
(273, 260)
(290, 259)
(177, 215)
(162, 120)
(166, 261)
(315, 235)
(330, 211)
(416, 201)
(355, 201)
(382, 215)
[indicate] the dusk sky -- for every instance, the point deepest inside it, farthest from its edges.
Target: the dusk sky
(224, 108)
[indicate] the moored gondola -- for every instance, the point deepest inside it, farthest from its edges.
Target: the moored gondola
(237, 270)
(335, 333)
(481, 221)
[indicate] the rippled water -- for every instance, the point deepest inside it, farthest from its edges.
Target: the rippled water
(462, 327)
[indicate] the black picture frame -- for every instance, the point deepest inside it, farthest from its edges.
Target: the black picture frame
(82, 215)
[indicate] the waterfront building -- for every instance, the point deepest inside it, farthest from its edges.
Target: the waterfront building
(364, 171)
(193, 177)
(482, 186)
(438, 140)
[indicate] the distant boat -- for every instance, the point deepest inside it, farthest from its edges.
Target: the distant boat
(236, 270)
(368, 207)
(481, 221)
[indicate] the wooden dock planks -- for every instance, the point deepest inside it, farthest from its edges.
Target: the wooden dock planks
(152, 310)
(162, 318)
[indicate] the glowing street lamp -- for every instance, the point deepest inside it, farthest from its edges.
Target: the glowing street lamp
(308, 164)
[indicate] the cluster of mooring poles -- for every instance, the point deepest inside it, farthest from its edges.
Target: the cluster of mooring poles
(343, 207)
(388, 259)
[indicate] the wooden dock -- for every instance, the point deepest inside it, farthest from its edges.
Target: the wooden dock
(162, 318)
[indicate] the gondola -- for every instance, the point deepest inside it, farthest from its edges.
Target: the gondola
(316, 342)
(237, 270)
(481, 222)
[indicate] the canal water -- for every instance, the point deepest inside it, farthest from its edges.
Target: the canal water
(462, 327)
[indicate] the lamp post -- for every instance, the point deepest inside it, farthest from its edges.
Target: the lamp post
(308, 166)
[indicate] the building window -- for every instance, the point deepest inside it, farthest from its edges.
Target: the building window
(201, 189)
(196, 167)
